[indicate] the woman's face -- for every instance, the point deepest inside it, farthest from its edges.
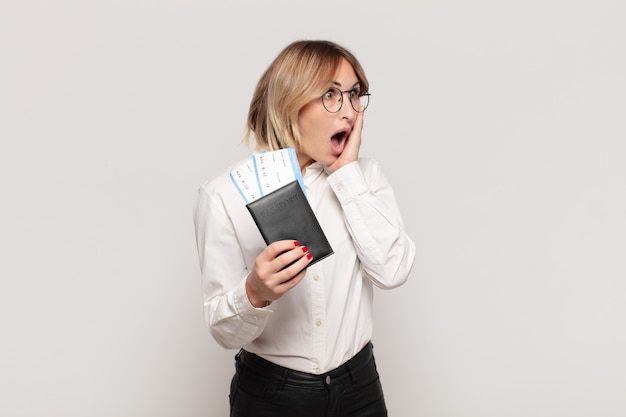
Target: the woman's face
(323, 134)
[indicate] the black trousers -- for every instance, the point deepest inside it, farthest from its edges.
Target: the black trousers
(262, 389)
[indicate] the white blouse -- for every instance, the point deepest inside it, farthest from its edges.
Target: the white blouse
(327, 318)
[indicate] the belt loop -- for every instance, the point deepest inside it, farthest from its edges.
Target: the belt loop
(283, 379)
(239, 362)
(350, 371)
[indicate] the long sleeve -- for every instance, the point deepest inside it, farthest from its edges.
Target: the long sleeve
(373, 220)
(328, 317)
(232, 320)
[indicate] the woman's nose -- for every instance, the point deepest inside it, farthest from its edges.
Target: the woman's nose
(346, 109)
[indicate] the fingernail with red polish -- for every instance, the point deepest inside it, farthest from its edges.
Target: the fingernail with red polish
(309, 255)
(304, 249)
(296, 243)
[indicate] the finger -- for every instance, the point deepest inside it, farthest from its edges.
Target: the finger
(290, 276)
(354, 140)
(357, 127)
(291, 283)
(275, 249)
(358, 123)
(289, 257)
(296, 266)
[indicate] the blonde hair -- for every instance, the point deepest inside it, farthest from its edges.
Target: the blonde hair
(301, 72)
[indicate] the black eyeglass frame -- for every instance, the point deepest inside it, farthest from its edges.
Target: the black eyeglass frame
(342, 92)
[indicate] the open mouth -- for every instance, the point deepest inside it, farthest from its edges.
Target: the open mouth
(338, 140)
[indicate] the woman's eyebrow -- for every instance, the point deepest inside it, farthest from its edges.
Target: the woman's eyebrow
(338, 84)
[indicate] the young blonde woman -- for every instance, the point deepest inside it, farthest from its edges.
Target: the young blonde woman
(304, 333)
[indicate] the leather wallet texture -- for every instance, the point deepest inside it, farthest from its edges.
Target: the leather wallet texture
(286, 214)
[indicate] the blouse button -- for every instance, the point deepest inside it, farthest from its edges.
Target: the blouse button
(318, 323)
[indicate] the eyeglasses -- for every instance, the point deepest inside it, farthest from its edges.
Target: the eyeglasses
(333, 100)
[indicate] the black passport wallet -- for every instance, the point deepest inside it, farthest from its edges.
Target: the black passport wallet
(286, 214)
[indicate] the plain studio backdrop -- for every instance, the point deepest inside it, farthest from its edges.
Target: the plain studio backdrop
(501, 126)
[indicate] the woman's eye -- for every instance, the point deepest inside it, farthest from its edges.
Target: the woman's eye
(329, 94)
(355, 93)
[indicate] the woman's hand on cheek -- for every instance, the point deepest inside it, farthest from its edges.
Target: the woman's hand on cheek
(278, 268)
(353, 145)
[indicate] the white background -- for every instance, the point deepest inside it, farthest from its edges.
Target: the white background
(500, 124)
